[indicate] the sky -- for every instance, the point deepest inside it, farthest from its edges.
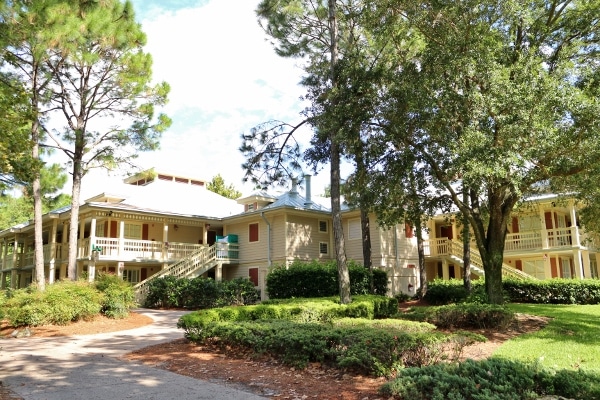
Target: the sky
(225, 78)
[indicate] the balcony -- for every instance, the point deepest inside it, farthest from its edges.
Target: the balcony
(542, 240)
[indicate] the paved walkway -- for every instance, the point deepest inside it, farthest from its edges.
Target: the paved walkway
(88, 367)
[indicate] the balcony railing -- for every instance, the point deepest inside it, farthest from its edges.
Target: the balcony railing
(536, 240)
(123, 250)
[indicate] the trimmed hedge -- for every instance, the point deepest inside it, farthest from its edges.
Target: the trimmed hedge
(490, 379)
(464, 316)
(549, 291)
(199, 293)
(367, 349)
(316, 279)
(298, 310)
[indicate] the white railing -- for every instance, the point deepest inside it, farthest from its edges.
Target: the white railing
(523, 241)
(449, 247)
(114, 248)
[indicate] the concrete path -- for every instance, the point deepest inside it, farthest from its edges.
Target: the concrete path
(87, 367)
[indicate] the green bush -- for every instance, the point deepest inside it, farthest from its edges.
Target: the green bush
(199, 293)
(496, 379)
(316, 279)
(553, 291)
(119, 295)
(463, 316)
(59, 304)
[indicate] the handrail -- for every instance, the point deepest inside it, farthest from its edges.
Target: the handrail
(455, 248)
(202, 259)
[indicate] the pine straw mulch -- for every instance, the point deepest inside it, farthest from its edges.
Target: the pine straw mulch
(261, 375)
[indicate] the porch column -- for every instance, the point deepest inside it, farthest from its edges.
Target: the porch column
(93, 255)
(219, 272)
(121, 237)
(165, 247)
(587, 270)
(64, 248)
(445, 270)
(574, 227)
(13, 272)
(3, 263)
(205, 234)
(578, 265)
(52, 261)
(80, 249)
(545, 243)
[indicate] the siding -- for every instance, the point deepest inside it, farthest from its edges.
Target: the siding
(303, 238)
(255, 251)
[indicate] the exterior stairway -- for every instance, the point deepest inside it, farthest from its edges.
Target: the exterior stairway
(453, 251)
(195, 264)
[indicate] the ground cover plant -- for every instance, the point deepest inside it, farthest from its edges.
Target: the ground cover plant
(67, 301)
(301, 331)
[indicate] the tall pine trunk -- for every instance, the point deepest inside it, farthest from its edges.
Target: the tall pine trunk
(338, 232)
(74, 219)
(40, 277)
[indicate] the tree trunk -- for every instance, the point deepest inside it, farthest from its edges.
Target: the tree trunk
(421, 253)
(466, 245)
(74, 220)
(37, 210)
(365, 227)
(338, 232)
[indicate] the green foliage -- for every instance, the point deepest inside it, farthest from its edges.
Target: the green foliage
(199, 293)
(553, 291)
(465, 315)
(119, 296)
(496, 379)
(316, 279)
(59, 304)
(369, 349)
(218, 186)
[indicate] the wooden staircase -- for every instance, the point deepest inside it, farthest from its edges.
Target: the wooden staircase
(195, 264)
(453, 251)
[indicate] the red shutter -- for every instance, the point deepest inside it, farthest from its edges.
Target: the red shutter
(145, 232)
(143, 274)
(554, 268)
(112, 270)
(253, 232)
(106, 232)
(519, 265)
(408, 230)
(515, 225)
(548, 219)
(253, 274)
(113, 229)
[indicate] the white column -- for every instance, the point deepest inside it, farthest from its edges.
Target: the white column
(13, 272)
(574, 228)
(52, 262)
(219, 272)
(121, 238)
(445, 270)
(545, 243)
(165, 239)
(585, 257)
(578, 264)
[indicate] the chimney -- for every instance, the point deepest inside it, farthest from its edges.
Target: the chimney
(308, 202)
(294, 189)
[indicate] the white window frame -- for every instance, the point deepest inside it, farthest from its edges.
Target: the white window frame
(127, 230)
(131, 275)
(354, 229)
(594, 269)
(321, 245)
(565, 268)
(535, 268)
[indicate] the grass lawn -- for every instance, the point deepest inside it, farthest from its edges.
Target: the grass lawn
(571, 340)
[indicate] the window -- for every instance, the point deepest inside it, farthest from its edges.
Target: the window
(100, 229)
(131, 275)
(253, 275)
(253, 232)
(354, 231)
(594, 269)
(565, 264)
(323, 248)
(323, 226)
(133, 231)
(535, 268)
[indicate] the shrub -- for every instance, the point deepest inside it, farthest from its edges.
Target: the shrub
(119, 296)
(461, 316)
(316, 279)
(553, 291)
(490, 379)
